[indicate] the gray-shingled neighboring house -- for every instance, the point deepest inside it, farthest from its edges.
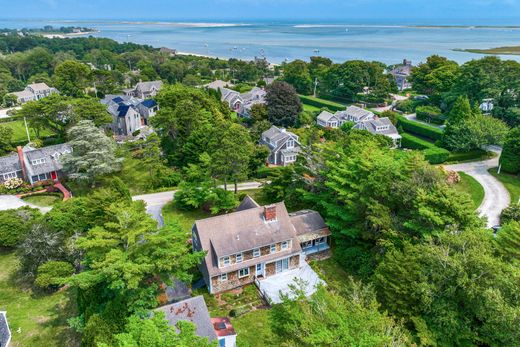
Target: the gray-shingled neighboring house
(144, 90)
(284, 146)
(253, 97)
(194, 310)
(240, 103)
(129, 113)
(5, 332)
(381, 126)
(402, 73)
(34, 164)
(351, 114)
(33, 92)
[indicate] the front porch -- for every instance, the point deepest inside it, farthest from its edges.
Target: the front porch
(315, 246)
(273, 286)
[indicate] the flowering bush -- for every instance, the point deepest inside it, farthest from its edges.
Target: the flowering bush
(13, 183)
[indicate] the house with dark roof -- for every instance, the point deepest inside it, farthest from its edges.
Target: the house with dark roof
(33, 92)
(402, 74)
(381, 126)
(129, 113)
(253, 97)
(34, 164)
(194, 310)
(5, 332)
(144, 90)
(353, 114)
(284, 146)
(255, 243)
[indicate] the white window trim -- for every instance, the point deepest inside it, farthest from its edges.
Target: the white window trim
(38, 161)
(241, 258)
(256, 252)
(244, 269)
(285, 245)
(9, 175)
(223, 277)
(271, 249)
(226, 263)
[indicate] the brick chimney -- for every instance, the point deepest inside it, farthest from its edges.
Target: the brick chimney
(21, 158)
(270, 213)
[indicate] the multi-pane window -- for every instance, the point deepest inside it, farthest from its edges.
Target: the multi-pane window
(272, 248)
(223, 277)
(243, 272)
(239, 258)
(38, 161)
(290, 143)
(10, 175)
(226, 261)
(256, 252)
(285, 245)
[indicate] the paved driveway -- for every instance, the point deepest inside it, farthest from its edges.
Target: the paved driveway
(156, 201)
(9, 202)
(496, 196)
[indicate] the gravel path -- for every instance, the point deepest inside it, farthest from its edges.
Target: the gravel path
(496, 195)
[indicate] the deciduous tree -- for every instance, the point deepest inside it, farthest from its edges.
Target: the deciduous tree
(283, 104)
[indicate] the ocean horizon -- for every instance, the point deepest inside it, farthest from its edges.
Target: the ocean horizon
(388, 41)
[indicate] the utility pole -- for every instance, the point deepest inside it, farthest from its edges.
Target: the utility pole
(315, 85)
(27, 130)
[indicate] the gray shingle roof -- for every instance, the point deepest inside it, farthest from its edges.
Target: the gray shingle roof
(275, 134)
(325, 116)
(51, 155)
(148, 86)
(246, 204)
(307, 221)
(192, 310)
(5, 333)
(9, 163)
(372, 126)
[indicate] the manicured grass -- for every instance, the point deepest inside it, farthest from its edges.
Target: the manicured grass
(330, 271)
(19, 133)
(511, 182)
(475, 155)
(254, 330)
(43, 200)
(320, 103)
(39, 318)
(185, 219)
(310, 108)
(471, 186)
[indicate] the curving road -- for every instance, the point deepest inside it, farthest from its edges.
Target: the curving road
(156, 201)
(496, 196)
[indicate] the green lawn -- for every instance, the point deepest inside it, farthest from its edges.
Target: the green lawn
(470, 185)
(254, 330)
(475, 155)
(19, 133)
(39, 318)
(43, 200)
(330, 271)
(310, 108)
(511, 182)
(184, 218)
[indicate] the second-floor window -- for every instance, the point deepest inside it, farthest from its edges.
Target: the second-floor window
(223, 277)
(290, 143)
(239, 258)
(256, 252)
(226, 261)
(10, 175)
(38, 161)
(285, 245)
(273, 248)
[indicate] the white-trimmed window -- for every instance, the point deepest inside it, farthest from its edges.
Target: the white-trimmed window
(239, 258)
(285, 245)
(38, 161)
(272, 249)
(10, 175)
(321, 241)
(243, 272)
(290, 143)
(226, 261)
(256, 252)
(223, 278)
(307, 244)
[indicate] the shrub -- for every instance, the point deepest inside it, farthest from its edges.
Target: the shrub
(464, 156)
(408, 106)
(237, 312)
(436, 155)
(419, 129)
(309, 100)
(14, 224)
(510, 214)
(431, 114)
(52, 274)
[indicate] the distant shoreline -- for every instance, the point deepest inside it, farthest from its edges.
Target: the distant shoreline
(63, 36)
(512, 50)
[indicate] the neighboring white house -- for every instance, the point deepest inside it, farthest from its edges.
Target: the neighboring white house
(381, 126)
(351, 114)
(487, 106)
(240, 103)
(34, 91)
(144, 90)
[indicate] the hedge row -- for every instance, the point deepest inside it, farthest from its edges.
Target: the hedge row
(419, 129)
(430, 114)
(10, 119)
(464, 156)
(412, 142)
(320, 103)
(432, 153)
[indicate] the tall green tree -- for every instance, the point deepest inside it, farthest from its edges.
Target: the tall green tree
(71, 78)
(508, 240)
(435, 77)
(283, 104)
(6, 137)
(93, 154)
(510, 157)
(296, 73)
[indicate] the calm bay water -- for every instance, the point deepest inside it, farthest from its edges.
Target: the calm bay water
(388, 42)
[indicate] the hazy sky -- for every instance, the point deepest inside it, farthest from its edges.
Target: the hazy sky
(243, 10)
